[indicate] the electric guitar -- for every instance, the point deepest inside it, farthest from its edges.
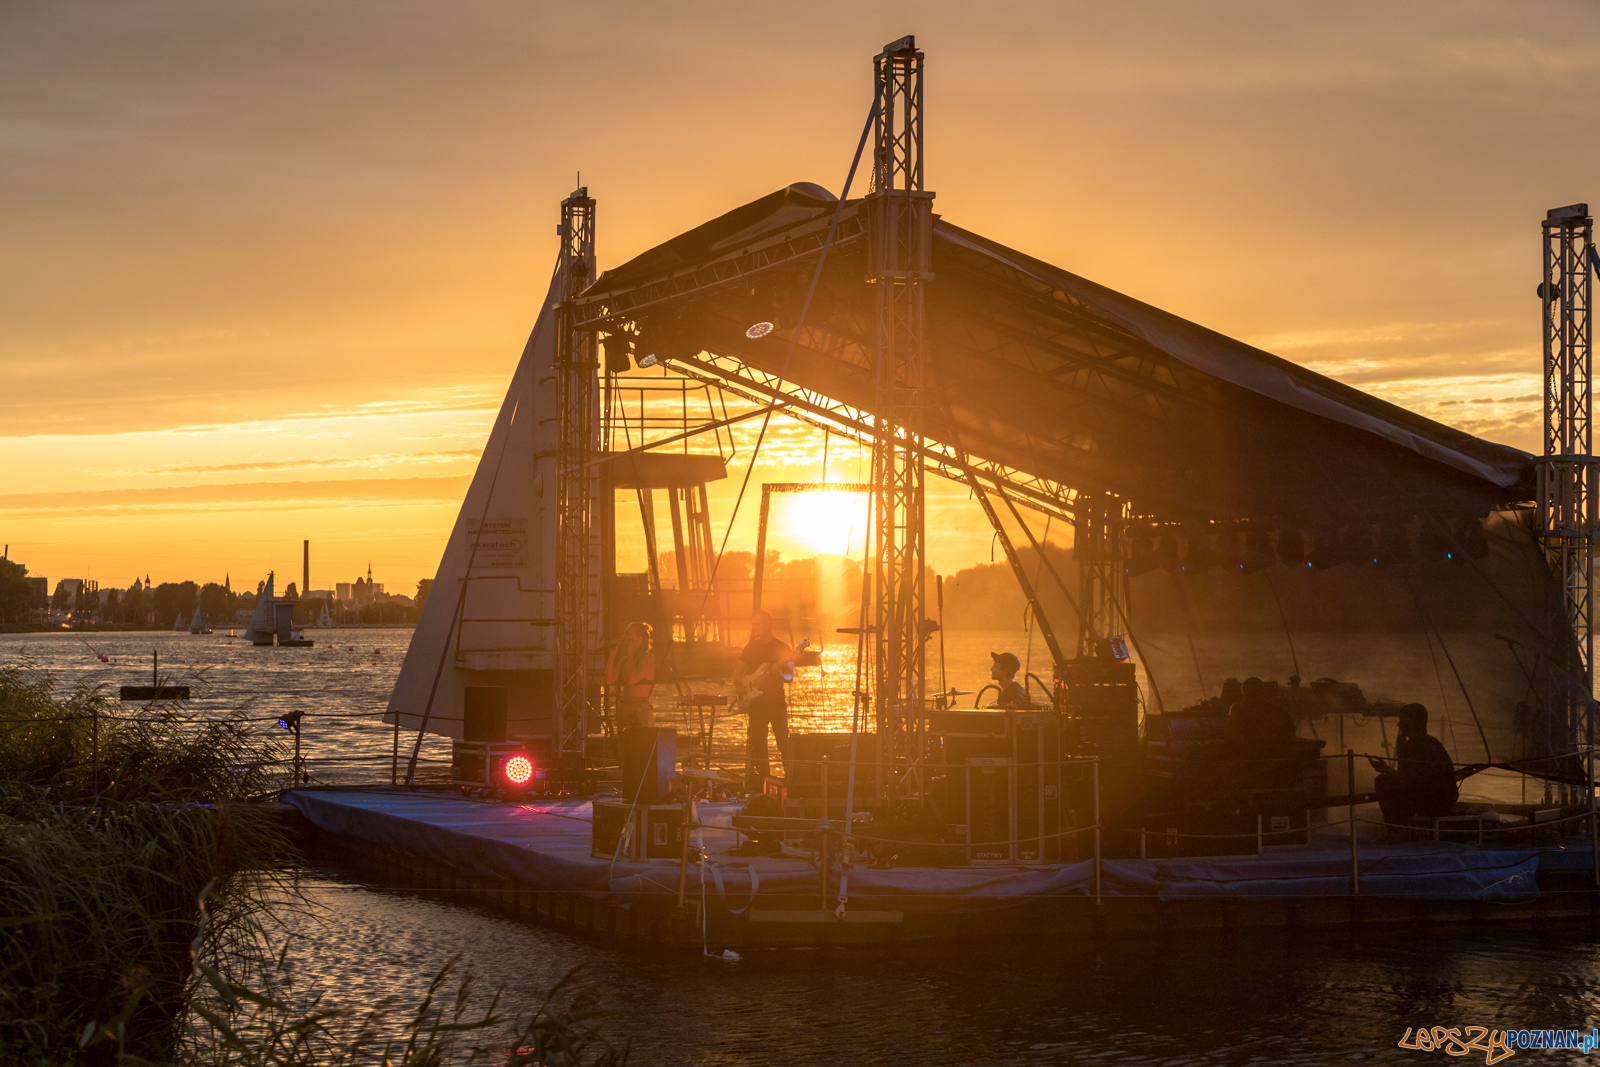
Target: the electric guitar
(748, 687)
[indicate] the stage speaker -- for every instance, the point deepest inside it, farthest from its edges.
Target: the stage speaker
(643, 832)
(483, 713)
(1037, 739)
(649, 763)
(991, 810)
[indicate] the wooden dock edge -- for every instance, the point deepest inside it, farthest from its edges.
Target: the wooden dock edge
(781, 921)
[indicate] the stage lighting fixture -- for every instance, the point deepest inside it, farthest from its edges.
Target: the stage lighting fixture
(1356, 544)
(1257, 552)
(1394, 544)
(1200, 556)
(1470, 538)
(646, 362)
(617, 348)
(1433, 540)
(517, 771)
(758, 331)
(1142, 559)
(1167, 551)
(1326, 550)
(291, 721)
(1292, 548)
(1230, 554)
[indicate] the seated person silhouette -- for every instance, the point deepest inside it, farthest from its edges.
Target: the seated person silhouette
(1004, 672)
(1422, 780)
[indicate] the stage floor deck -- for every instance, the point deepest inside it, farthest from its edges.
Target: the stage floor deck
(533, 859)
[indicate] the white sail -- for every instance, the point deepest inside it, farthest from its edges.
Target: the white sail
(490, 618)
(263, 624)
(324, 621)
(178, 623)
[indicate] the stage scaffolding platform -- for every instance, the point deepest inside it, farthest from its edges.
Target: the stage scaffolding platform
(533, 861)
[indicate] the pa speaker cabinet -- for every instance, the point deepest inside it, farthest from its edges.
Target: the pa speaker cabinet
(991, 810)
(1036, 741)
(649, 763)
(1104, 698)
(645, 831)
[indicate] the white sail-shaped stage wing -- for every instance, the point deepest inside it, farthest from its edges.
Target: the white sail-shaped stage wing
(489, 622)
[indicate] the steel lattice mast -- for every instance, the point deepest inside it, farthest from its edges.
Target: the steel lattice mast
(1098, 520)
(1567, 472)
(576, 618)
(900, 261)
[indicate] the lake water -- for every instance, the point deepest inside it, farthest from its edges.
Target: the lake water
(1275, 998)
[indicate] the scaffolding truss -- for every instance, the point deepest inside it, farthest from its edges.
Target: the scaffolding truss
(899, 228)
(577, 620)
(1567, 472)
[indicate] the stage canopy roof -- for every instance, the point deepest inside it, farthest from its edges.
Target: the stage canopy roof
(1038, 370)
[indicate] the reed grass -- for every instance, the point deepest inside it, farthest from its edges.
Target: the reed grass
(268, 1026)
(113, 823)
(141, 891)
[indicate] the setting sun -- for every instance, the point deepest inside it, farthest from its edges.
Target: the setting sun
(830, 523)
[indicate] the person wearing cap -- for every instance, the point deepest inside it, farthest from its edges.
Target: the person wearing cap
(1004, 672)
(1422, 780)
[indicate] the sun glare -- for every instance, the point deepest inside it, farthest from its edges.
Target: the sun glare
(825, 523)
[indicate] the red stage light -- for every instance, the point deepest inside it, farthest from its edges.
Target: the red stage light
(518, 770)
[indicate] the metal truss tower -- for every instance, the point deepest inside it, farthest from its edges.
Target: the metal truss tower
(576, 617)
(1102, 579)
(1567, 472)
(900, 262)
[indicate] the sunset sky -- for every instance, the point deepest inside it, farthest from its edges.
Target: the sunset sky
(265, 267)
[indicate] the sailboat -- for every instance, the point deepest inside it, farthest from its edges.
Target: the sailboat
(324, 621)
(201, 623)
(178, 625)
(264, 621)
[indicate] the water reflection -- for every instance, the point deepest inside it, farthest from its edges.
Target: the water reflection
(1271, 998)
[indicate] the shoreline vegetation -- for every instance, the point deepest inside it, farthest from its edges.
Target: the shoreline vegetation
(142, 882)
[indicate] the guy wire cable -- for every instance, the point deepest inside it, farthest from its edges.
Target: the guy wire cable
(794, 338)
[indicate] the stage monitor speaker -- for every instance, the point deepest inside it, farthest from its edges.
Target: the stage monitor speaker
(483, 713)
(649, 763)
(627, 832)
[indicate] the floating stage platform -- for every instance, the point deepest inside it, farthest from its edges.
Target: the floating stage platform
(533, 861)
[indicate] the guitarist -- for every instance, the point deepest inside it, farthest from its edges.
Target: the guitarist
(763, 668)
